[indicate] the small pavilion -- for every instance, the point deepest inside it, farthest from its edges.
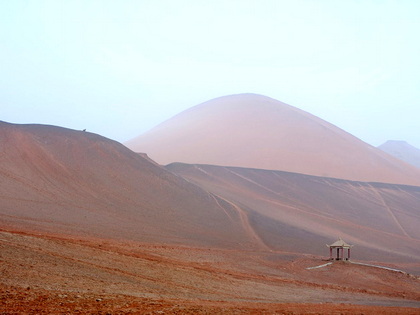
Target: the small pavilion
(340, 245)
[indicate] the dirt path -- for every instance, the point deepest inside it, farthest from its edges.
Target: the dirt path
(394, 218)
(246, 225)
(216, 199)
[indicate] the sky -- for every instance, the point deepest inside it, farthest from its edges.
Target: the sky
(119, 68)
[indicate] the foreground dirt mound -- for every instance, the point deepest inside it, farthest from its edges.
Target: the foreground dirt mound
(255, 131)
(51, 274)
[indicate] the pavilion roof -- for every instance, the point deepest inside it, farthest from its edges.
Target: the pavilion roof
(340, 243)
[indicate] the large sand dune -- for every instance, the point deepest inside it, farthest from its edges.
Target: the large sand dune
(290, 211)
(65, 181)
(255, 131)
(403, 151)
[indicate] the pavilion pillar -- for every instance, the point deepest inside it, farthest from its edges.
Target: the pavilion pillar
(340, 253)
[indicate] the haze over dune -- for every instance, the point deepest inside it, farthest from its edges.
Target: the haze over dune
(255, 131)
(403, 151)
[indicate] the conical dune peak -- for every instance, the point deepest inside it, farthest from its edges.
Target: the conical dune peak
(255, 131)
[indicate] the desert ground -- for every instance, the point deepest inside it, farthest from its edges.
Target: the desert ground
(47, 274)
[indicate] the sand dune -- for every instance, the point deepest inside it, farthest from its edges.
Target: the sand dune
(403, 151)
(255, 131)
(294, 212)
(64, 181)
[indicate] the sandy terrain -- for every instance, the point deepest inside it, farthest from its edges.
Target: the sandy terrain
(51, 274)
(254, 131)
(55, 179)
(294, 212)
(88, 226)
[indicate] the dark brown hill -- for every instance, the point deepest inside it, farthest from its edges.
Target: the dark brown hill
(254, 131)
(294, 212)
(64, 181)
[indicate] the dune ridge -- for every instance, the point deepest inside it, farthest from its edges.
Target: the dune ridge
(290, 211)
(255, 131)
(403, 151)
(59, 180)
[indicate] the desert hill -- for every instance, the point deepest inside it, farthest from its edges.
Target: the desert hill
(290, 211)
(255, 131)
(403, 151)
(58, 180)
(62, 181)
(88, 226)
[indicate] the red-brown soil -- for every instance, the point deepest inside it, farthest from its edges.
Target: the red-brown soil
(255, 131)
(88, 226)
(51, 274)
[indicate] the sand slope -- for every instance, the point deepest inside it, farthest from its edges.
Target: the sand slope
(59, 180)
(63, 181)
(301, 213)
(255, 131)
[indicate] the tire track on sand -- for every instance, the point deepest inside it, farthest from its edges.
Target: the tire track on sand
(245, 223)
(394, 218)
(215, 198)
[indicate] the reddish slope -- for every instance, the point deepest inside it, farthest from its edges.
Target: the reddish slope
(64, 181)
(255, 131)
(294, 212)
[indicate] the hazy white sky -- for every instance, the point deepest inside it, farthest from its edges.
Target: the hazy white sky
(118, 68)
